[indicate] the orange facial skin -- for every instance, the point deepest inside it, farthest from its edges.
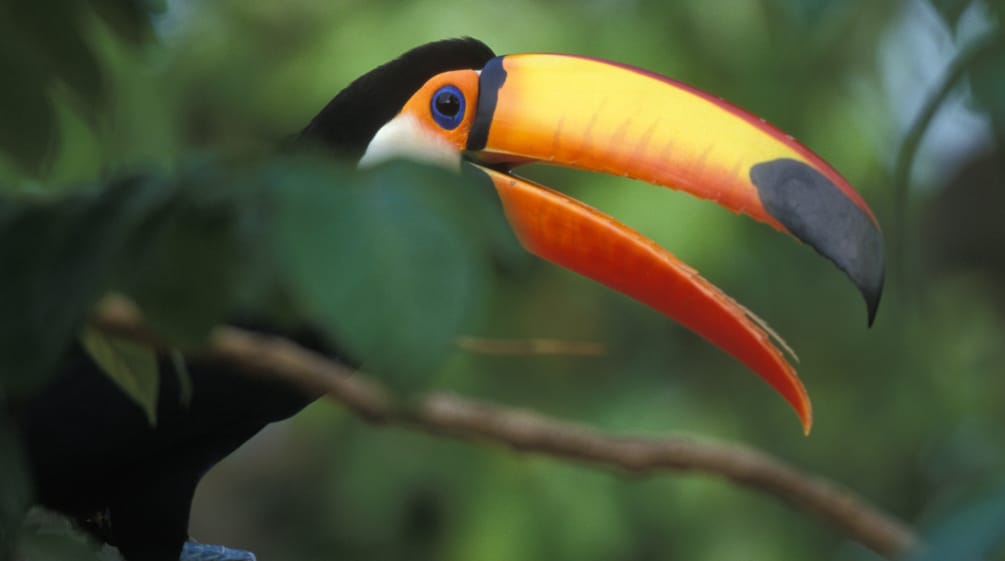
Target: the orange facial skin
(418, 106)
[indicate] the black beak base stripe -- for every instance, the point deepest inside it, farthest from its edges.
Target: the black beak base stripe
(811, 207)
(492, 78)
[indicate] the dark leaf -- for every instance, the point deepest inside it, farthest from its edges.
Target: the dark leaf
(59, 257)
(129, 18)
(184, 376)
(131, 366)
(50, 536)
(50, 35)
(15, 494)
(29, 129)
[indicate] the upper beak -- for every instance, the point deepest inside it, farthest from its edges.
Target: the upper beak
(601, 116)
(605, 117)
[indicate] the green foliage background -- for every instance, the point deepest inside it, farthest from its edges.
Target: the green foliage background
(138, 151)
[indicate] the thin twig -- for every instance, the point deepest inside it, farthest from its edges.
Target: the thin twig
(451, 415)
(527, 347)
(912, 140)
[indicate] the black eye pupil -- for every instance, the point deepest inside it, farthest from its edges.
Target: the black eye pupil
(447, 107)
(448, 104)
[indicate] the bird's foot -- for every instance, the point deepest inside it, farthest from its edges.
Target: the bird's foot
(204, 552)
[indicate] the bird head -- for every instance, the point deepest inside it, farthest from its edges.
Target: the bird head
(455, 103)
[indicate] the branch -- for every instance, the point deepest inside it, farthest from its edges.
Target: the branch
(450, 415)
(526, 347)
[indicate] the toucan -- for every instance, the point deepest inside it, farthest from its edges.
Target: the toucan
(455, 103)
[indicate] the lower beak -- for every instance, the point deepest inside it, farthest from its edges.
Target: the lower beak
(599, 116)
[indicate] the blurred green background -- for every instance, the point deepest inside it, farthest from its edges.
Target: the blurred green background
(910, 413)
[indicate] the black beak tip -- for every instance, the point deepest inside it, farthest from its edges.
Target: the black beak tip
(817, 212)
(860, 256)
(873, 292)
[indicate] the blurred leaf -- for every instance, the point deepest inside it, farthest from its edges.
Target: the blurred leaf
(392, 261)
(131, 366)
(975, 533)
(42, 43)
(15, 494)
(484, 216)
(193, 260)
(59, 256)
(987, 80)
(997, 9)
(51, 36)
(950, 10)
(48, 536)
(810, 12)
(29, 130)
(129, 18)
(384, 260)
(184, 376)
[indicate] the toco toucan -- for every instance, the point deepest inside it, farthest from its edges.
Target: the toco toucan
(455, 103)
(602, 116)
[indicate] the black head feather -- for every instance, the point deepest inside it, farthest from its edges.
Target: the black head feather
(353, 117)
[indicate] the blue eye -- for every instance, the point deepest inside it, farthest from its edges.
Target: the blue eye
(447, 107)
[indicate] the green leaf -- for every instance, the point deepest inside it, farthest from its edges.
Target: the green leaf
(385, 259)
(483, 212)
(59, 256)
(197, 260)
(131, 366)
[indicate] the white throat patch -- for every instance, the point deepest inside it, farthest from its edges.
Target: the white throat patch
(404, 137)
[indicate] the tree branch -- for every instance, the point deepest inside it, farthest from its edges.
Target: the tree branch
(526, 347)
(451, 415)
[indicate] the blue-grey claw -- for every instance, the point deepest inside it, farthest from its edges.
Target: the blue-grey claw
(193, 551)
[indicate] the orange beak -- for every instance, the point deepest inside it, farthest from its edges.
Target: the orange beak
(605, 117)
